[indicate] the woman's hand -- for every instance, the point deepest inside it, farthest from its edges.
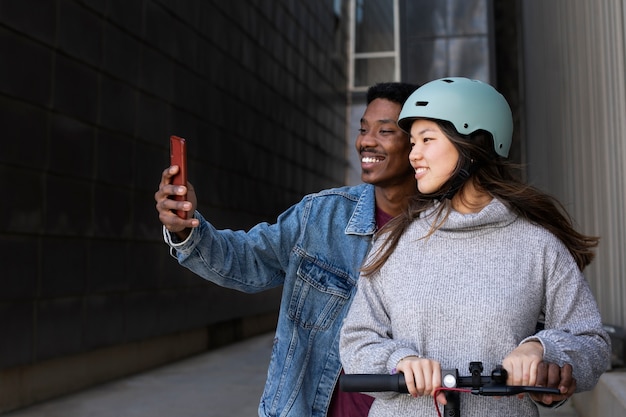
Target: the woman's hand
(521, 364)
(422, 376)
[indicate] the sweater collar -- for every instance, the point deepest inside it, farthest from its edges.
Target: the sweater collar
(494, 215)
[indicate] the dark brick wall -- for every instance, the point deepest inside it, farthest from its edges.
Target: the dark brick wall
(89, 93)
(507, 18)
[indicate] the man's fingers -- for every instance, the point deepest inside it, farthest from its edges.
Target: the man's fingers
(542, 374)
(567, 385)
(168, 173)
(554, 375)
(172, 170)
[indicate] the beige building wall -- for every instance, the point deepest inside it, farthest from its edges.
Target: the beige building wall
(575, 136)
(575, 130)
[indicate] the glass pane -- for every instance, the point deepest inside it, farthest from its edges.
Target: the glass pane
(469, 57)
(468, 17)
(368, 71)
(373, 26)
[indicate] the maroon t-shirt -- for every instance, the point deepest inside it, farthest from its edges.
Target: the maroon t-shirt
(382, 218)
(349, 404)
(354, 404)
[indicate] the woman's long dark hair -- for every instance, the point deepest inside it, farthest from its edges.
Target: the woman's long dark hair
(494, 175)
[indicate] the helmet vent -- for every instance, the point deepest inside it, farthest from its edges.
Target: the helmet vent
(465, 125)
(421, 103)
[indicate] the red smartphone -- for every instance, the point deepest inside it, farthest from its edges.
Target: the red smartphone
(178, 156)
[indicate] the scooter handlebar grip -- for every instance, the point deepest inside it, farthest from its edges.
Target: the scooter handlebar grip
(372, 383)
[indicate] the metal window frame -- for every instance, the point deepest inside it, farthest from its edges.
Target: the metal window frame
(353, 56)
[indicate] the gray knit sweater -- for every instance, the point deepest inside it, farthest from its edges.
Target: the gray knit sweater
(473, 291)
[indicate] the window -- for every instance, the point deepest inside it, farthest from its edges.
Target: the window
(375, 51)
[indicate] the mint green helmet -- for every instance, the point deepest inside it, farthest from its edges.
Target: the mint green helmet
(470, 105)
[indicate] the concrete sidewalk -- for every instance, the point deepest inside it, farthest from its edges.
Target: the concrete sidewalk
(226, 382)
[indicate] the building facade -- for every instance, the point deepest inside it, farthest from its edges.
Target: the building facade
(90, 91)
(268, 95)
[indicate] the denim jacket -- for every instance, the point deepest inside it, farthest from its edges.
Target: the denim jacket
(314, 250)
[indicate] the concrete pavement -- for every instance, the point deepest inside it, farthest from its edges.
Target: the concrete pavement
(226, 382)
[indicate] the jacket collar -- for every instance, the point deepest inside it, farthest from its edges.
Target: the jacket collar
(363, 219)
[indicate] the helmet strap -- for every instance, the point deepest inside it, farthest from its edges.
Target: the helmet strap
(457, 182)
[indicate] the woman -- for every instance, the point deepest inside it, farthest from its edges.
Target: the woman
(478, 259)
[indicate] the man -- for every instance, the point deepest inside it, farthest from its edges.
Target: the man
(314, 250)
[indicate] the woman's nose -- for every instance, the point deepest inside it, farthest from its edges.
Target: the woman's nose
(415, 154)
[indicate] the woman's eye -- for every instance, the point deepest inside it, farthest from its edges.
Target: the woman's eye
(362, 131)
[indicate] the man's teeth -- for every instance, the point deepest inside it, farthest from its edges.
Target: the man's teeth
(370, 160)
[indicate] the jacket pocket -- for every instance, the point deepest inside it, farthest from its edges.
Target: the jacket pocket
(319, 294)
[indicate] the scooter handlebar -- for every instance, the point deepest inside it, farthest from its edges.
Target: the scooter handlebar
(396, 383)
(372, 383)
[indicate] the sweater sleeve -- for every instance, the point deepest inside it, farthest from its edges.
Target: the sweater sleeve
(573, 327)
(366, 341)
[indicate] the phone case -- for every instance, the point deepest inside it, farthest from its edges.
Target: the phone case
(178, 156)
